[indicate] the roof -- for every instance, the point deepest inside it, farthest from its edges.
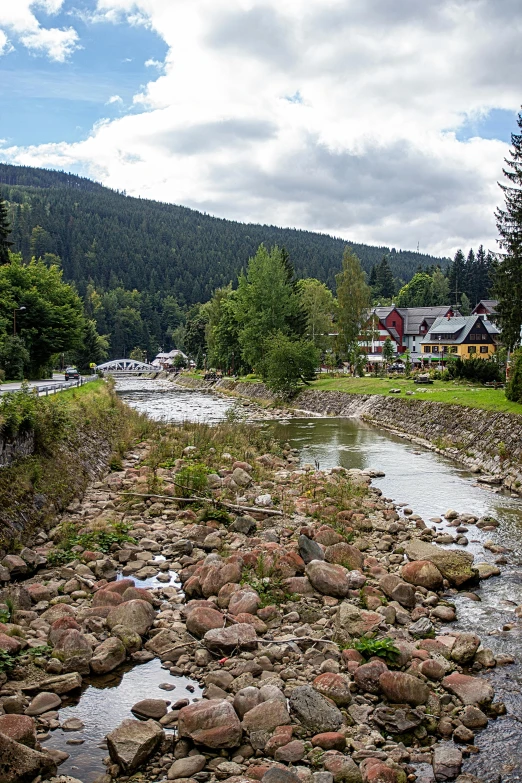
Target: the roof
(458, 327)
(414, 317)
(488, 304)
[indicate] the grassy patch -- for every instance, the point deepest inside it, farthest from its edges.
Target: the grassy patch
(382, 648)
(449, 392)
(98, 538)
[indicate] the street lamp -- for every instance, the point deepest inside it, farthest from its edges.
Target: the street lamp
(15, 311)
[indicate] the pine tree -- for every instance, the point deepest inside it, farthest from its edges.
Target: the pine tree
(385, 279)
(470, 278)
(456, 277)
(5, 230)
(508, 273)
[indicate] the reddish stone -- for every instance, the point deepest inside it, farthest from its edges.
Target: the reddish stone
(106, 598)
(268, 612)
(330, 740)
(431, 669)
(376, 771)
(10, 644)
(201, 619)
(402, 688)
(212, 723)
(282, 736)
(39, 592)
(352, 655)
(335, 687)
(120, 585)
(257, 772)
(470, 690)
(250, 619)
(20, 728)
(367, 676)
(133, 593)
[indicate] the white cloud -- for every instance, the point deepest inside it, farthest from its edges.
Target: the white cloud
(151, 63)
(4, 43)
(336, 116)
(114, 99)
(19, 19)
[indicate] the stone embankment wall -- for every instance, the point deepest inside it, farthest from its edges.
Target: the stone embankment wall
(15, 448)
(485, 441)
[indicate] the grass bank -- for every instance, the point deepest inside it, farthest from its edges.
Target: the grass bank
(77, 434)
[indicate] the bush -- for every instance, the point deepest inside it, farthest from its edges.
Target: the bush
(288, 364)
(514, 386)
(482, 370)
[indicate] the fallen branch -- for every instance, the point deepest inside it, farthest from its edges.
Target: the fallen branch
(256, 509)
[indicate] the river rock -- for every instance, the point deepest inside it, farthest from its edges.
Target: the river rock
(344, 554)
(313, 711)
(328, 578)
(454, 565)
(447, 761)
(309, 550)
(352, 621)
(266, 716)
(472, 718)
(185, 768)
(21, 764)
(398, 718)
(202, 619)
(244, 601)
(465, 647)
(211, 723)
(131, 744)
(241, 636)
(215, 576)
(150, 708)
(470, 690)
(241, 477)
(43, 702)
(343, 769)
(20, 728)
(136, 615)
(401, 688)
(422, 573)
(73, 651)
(246, 525)
(335, 687)
(15, 565)
(61, 683)
(108, 655)
(366, 677)
(279, 775)
(10, 644)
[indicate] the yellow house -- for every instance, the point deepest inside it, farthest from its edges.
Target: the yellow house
(468, 337)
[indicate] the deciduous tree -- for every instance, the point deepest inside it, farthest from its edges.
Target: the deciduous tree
(353, 296)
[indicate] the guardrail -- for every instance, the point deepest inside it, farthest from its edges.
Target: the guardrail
(54, 388)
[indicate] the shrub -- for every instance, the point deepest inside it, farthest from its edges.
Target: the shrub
(482, 370)
(514, 386)
(383, 648)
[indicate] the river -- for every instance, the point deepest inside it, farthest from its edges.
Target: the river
(429, 484)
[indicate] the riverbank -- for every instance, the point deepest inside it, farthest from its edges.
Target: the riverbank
(62, 443)
(301, 617)
(487, 442)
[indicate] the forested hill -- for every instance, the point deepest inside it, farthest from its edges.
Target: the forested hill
(113, 240)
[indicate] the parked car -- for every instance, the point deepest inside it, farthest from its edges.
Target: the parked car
(71, 373)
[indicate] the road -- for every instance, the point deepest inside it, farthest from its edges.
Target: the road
(46, 386)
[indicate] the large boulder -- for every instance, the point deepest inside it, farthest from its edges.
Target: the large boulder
(216, 575)
(346, 555)
(21, 764)
(470, 690)
(20, 728)
(211, 723)
(108, 655)
(402, 688)
(313, 711)
(136, 615)
(454, 565)
(447, 761)
(241, 636)
(242, 601)
(202, 619)
(60, 683)
(43, 702)
(422, 573)
(73, 651)
(328, 578)
(131, 744)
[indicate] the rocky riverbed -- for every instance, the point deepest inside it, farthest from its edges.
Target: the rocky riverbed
(312, 613)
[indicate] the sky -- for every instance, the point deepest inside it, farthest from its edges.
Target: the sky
(381, 121)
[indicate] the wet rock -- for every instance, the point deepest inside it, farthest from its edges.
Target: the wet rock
(211, 723)
(454, 565)
(20, 728)
(108, 655)
(21, 764)
(43, 702)
(309, 550)
(447, 761)
(136, 615)
(241, 636)
(465, 647)
(72, 724)
(470, 690)
(266, 716)
(150, 708)
(473, 718)
(335, 687)
(400, 688)
(398, 718)
(313, 711)
(61, 683)
(185, 768)
(133, 742)
(422, 573)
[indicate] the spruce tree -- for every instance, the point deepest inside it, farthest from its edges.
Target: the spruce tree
(5, 230)
(508, 273)
(385, 279)
(456, 277)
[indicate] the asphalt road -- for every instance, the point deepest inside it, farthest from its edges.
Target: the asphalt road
(56, 379)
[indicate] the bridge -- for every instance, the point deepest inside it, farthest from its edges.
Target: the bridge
(125, 367)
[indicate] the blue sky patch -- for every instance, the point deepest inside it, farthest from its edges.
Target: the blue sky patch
(497, 124)
(43, 101)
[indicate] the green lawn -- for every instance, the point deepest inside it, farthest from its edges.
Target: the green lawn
(474, 396)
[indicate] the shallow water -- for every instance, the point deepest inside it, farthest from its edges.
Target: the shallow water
(429, 484)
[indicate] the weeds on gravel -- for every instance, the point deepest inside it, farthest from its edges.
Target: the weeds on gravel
(268, 584)
(382, 648)
(99, 538)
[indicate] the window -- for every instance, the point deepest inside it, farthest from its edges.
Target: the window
(472, 337)
(453, 349)
(472, 349)
(427, 349)
(484, 349)
(484, 337)
(435, 349)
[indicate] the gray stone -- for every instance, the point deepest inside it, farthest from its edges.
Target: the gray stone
(20, 764)
(185, 768)
(43, 702)
(313, 711)
(241, 636)
(454, 565)
(310, 550)
(279, 775)
(131, 744)
(108, 655)
(447, 761)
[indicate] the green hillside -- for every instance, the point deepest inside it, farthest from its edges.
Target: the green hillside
(114, 240)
